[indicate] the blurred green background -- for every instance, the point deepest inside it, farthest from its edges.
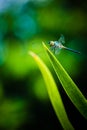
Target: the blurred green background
(24, 24)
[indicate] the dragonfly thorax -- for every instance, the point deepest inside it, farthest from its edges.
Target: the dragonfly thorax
(58, 45)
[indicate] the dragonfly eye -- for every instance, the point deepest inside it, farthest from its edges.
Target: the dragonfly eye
(51, 43)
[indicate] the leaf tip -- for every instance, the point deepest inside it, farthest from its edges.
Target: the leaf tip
(32, 54)
(44, 45)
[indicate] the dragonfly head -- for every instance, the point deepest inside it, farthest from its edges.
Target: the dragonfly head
(51, 43)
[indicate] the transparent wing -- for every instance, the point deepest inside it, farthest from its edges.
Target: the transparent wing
(52, 48)
(55, 50)
(61, 39)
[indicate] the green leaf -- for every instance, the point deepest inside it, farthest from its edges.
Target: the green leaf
(53, 93)
(69, 86)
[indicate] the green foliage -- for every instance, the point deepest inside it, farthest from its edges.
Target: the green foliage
(69, 86)
(23, 25)
(53, 93)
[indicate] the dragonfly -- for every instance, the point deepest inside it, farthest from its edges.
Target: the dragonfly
(56, 46)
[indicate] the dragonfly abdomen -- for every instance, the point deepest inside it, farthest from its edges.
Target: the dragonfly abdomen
(75, 51)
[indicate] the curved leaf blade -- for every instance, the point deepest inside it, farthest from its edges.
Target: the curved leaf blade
(53, 93)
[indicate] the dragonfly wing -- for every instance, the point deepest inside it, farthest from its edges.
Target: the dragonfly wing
(61, 39)
(52, 48)
(57, 50)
